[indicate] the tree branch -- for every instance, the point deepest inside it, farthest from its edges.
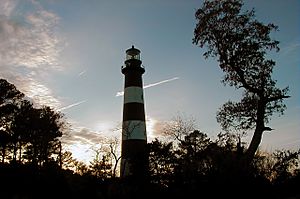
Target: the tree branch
(275, 98)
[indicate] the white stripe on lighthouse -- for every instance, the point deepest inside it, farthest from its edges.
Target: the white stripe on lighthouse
(134, 129)
(133, 94)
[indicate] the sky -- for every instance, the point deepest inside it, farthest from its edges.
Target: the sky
(67, 54)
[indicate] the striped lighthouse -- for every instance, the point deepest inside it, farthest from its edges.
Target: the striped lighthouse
(134, 160)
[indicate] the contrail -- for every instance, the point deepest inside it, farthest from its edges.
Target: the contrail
(71, 105)
(80, 74)
(121, 93)
(161, 82)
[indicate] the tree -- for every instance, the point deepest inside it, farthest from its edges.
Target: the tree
(20, 127)
(66, 160)
(179, 127)
(9, 98)
(8, 93)
(194, 160)
(162, 162)
(37, 130)
(114, 144)
(240, 44)
(286, 164)
(4, 140)
(100, 166)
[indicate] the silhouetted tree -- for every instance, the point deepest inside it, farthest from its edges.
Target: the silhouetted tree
(286, 163)
(9, 99)
(4, 140)
(37, 132)
(81, 168)
(162, 161)
(179, 127)
(8, 93)
(100, 166)
(114, 144)
(44, 129)
(240, 43)
(67, 161)
(18, 128)
(193, 154)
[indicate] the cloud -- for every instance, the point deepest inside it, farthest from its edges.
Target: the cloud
(6, 7)
(30, 48)
(82, 135)
(72, 105)
(83, 142)
(30, 42)
(121, 93)
(34, 90)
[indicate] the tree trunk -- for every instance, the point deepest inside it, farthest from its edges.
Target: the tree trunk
(3, 153)
(20, 151)
(254, 144)
(257, 136)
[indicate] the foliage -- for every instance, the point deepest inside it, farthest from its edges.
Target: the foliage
(100, 166)
(162, 161)
(28, 134)
(9, 99)
(240, 44)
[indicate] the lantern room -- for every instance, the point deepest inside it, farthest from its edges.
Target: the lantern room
(133, 53)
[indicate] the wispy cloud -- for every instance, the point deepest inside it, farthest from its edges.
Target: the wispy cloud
(31, 41)
(30, 47)
(36, 91)
(81, 141)
(121, 93)
(72, 105)
(83, 135)
(6, 7)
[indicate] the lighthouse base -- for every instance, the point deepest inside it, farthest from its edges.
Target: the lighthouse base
(134, 162)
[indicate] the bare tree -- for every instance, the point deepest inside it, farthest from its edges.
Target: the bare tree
(179, 127)
(114, 145)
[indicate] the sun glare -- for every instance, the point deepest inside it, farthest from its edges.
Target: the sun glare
(150, 123)
(82, 152)
(85, 152)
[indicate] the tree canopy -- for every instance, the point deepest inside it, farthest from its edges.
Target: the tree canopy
(27, 133)
(240, 44)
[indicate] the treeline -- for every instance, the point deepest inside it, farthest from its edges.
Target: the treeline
(188, 164)
(197, 165)
(28, 134)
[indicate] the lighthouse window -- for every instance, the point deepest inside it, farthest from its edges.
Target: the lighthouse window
(137, 56)
(133, 57)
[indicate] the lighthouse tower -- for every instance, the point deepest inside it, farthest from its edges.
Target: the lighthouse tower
(134, 162)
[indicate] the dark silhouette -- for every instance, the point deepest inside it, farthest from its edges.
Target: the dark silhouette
(240, 43)
(185, 167)
(134, 158)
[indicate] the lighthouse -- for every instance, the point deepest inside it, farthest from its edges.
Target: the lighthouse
(134, 158)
